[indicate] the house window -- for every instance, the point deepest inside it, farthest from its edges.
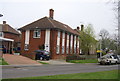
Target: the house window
(74, 44)
(70, 50)
(63, 35)
(36, 33)
(67, 46)
(1, 34)
(63, 49)
(58, 43)
(58, 49)
(63, 42)
(58, 34)
(71, 44)
(67, 49)
(74, 49)
(26, 47)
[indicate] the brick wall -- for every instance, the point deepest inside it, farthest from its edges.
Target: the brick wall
(15, 37)
(35, 42)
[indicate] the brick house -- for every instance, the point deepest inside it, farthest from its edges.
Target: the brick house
(59, 39)
(9, 37)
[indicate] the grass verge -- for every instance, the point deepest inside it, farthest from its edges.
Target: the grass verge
(84, 61)
(43, 62)
(3, 62)
(113, 74)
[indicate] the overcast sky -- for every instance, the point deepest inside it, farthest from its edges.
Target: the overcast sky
(99, 13)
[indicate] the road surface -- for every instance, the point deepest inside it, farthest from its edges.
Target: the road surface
(44, 70)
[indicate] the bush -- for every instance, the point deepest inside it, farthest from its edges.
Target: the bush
(74, 57)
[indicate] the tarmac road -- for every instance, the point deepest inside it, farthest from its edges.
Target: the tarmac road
(44, 70)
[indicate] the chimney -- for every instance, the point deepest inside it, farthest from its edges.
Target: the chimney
(78, 28)
(5, 26)
(82, 27)
(51, 13)
(4, 22)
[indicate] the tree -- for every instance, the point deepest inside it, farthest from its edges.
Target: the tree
(107, 42)
(104, 34)
(87, 39)
(117, 15)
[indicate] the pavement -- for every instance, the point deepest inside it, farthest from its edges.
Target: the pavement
(18, 60)
(56, 62)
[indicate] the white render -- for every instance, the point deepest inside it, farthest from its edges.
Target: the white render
(74, 41)
(68, 40)
(27, 36)
(71, 41)
(58, 39)
(63, 39)
(78, 43)
(47, 40)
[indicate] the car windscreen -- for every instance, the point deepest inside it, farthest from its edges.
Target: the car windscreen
(46, 52)
(115, 56)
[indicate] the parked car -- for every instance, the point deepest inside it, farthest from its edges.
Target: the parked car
(117, 57)
(42, 55)
(109, 59)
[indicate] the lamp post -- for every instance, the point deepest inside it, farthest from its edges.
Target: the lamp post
(1, 15)
(100, 45)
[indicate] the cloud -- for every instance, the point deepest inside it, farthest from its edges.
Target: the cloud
(18, 1)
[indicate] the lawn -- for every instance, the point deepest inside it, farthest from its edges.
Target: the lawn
(113, 74)
(84, 61)
(3, 62)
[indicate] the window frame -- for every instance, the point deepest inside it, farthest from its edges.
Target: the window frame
(67, 45)
(35, 33)
(58, 34)
(63, 49)
(57, 49)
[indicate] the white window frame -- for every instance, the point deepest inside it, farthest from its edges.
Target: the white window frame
(36, 33)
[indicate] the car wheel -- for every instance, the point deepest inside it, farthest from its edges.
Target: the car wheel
(47, 59)
(101, 63)
(110, 63)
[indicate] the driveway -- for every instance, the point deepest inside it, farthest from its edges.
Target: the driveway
(44, 70)
(19, 60)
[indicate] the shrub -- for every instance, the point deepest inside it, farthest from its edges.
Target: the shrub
(74, 57)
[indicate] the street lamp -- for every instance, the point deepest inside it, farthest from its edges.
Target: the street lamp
(100, 45)
(1, 15)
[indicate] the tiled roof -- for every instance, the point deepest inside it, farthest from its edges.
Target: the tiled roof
(45, 23)
(8, 28)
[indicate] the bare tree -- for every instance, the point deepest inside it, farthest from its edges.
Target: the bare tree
(104, 34)
(108, 42)
(117, 15)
